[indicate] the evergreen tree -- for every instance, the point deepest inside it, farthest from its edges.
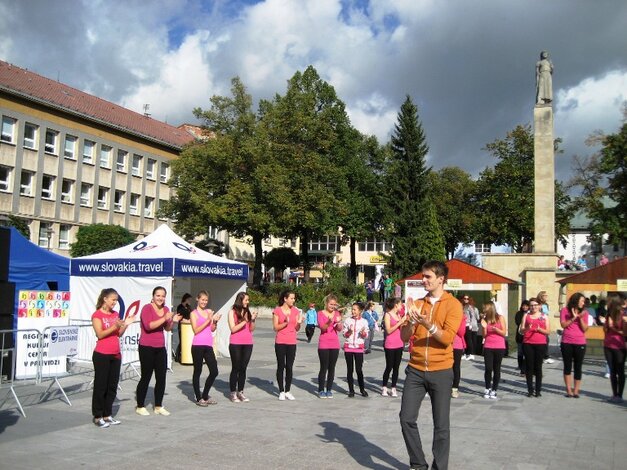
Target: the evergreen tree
(412, 223)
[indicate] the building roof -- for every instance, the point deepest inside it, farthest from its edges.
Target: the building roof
(28, 85)
(469, 274)
(606, 274)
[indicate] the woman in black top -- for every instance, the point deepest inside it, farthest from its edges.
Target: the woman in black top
(185, 310)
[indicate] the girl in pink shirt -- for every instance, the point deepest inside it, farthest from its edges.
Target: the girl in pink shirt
(286, 320)
(204, 322)
(534, 328)
(459, 345)
(393, 344)
(494, 333)
(242, 325)
(574, 321)
(106, 358)
(329, 322)
(614, 345)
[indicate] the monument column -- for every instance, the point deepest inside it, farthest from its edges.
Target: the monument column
(544, 179)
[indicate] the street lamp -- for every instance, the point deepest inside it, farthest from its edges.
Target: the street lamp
(49, 233)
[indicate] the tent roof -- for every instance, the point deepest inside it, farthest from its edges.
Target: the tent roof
(606, 274)
(468, 273)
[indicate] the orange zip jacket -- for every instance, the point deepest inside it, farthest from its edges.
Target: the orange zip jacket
(428, 354)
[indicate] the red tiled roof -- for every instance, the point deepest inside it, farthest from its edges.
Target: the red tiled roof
(606, 274)
(21, 82)
(469, 274)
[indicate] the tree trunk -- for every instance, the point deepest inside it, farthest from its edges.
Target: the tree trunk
(257, 271)
(304, 253)
(353, 266)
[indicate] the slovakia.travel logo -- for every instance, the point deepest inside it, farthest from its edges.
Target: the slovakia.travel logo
(143, 246)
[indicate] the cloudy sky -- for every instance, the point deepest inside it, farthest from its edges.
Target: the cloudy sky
(468, 65)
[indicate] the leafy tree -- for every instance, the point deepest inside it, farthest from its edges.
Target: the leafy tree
(98, 238)
(455, 189)
(413, 226)
(281, 258)
(20, 224)
(505, 194)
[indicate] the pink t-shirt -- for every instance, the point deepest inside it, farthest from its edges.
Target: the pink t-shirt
(573, 333)
(393, 340)
(459, 342)
(153, 338)
(492, 339)
(205, 337)
(109, 344)
(533, 336)
(614, 340)
(243, 336)
(329, 338)
(286, 335)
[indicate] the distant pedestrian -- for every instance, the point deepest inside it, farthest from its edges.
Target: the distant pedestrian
(495, 332)
(471, 317)
(393, 344)
(524, 308)
(286, 320)
(389, 287)
(330, 323)
(204, 322)
(459, 345)
(543, 299)
(106, 357)
(370, 290)
(372, 317)
(535, 329)
(355, 331)
(242, 326)
(311, 322)
(574, 321)
(614, 344)
(184, 309)
(156, 318)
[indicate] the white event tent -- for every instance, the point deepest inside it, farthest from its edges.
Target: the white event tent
(160, 259)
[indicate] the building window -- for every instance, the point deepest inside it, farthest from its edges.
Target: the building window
(150, 169)
(136, 169)
(30, 136)
(88, 151)
(26, 183)
(164, 173)
(45, 235)
(149, 204)
(47, 187)
(86, 195)
(64, 237)
(325, 243)
(212, 232)
(133, 208)
(5, 178)
(482, 247)
(162, 203)
(51, 141)
(118, 201)
(67, 187)
(8, 130)
(103, 194)
(69, 150)
(105, 156)
(120, 163)
(373, 244)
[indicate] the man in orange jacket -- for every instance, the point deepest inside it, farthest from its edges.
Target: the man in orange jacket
(433, 324)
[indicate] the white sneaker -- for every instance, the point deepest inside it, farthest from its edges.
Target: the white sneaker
(393, 393)
(548, 361)
(465, 357)
(282, 396)
(492, 395)
(455, 393)
(289, 396)
(607, 375)
(471, 357)
(486, 394)
(384, 392)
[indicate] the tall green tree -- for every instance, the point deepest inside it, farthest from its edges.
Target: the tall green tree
(98, 238)
(413, 228)
(20, 224)
(505, 194)
(224, 181)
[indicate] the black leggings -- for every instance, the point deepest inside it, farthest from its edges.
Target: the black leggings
(356, 360)
(534, 354)
(106, 378)
(152, 360)
(328, 359)
(492, 359)
(285, 355)
(202, 354)
(457, 366)
(240, 356)
(470, 337)
(616, 360)
(573, 353)
(309, 331)
(392, 363)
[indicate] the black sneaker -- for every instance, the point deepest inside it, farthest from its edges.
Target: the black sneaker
(351, 394)
(363, 393)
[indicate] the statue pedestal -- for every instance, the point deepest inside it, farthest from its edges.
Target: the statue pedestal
(544, 180)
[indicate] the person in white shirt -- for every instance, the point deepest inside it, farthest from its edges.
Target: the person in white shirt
(355, 332)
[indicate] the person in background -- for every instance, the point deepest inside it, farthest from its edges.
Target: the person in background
(604, 260)
(184, 309)
(372, 317)
(543, 298)
(156, 318)
(524, 309)
(204, 322)
(311, 321)
(614, 344)
(389, 286)
(355, 332)
(242, 326)
(286, 321)
(581, 263)
(107, 358)
(330, 322)
(459, 345)
(370, 290)
(535, 329)
(471, 320)
(398, 291)
(495, 332)
(382, 288)
(574, 321)
(393, 345)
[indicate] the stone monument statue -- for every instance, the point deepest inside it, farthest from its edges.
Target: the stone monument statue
(544, 79)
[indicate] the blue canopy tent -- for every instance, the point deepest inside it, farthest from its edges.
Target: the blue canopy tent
(34, 268)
